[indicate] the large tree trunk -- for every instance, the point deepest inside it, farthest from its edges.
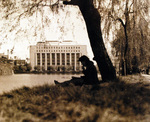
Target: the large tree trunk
(93, 19)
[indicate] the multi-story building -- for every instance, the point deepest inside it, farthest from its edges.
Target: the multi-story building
(56, 54)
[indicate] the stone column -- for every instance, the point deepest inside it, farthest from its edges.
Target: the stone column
(35, 59)
(45, 61)
(60, 59)
(75, 62)
(50, 59)
(41, 61)
(55, 59)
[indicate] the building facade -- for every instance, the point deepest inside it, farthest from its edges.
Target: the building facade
(56, 55)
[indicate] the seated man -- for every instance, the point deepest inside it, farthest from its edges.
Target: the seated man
(89, 71)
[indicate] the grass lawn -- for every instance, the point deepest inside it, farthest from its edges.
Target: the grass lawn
(126, 100)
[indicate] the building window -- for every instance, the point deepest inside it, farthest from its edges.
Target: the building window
(77, 58)
(63, 58)
(38, 58)
(72, 59)
(48, 58)
(43, 58)
(68, 58)
(58, 58)
(53, 58)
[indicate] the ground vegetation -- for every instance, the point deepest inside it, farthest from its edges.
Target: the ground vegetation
(127, 99)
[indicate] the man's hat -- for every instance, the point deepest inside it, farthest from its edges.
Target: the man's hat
(84, 58)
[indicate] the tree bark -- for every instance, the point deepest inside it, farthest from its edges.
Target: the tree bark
(126, 28)
(93, 23)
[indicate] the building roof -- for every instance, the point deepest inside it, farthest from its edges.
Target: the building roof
(55, 42)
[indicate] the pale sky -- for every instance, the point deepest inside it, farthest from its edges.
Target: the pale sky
(30, 31)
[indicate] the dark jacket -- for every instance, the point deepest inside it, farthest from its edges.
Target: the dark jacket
(90, 74)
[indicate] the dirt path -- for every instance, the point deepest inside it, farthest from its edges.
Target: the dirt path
(141, 78)
(147, 77)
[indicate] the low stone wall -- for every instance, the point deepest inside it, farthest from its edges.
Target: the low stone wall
(6, 69)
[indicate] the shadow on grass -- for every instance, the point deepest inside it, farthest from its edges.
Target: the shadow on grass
(79, 103)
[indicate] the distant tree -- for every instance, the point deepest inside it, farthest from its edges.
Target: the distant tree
(3, 60)
(49, 68)
(28, 66)
(37, 68)
(68, 68)
(132, 38)
(43, 68)
(78, 68)
(63, 68)
(16, 68)
(23, 68)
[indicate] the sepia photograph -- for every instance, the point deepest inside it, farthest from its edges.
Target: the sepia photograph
(74, 60)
